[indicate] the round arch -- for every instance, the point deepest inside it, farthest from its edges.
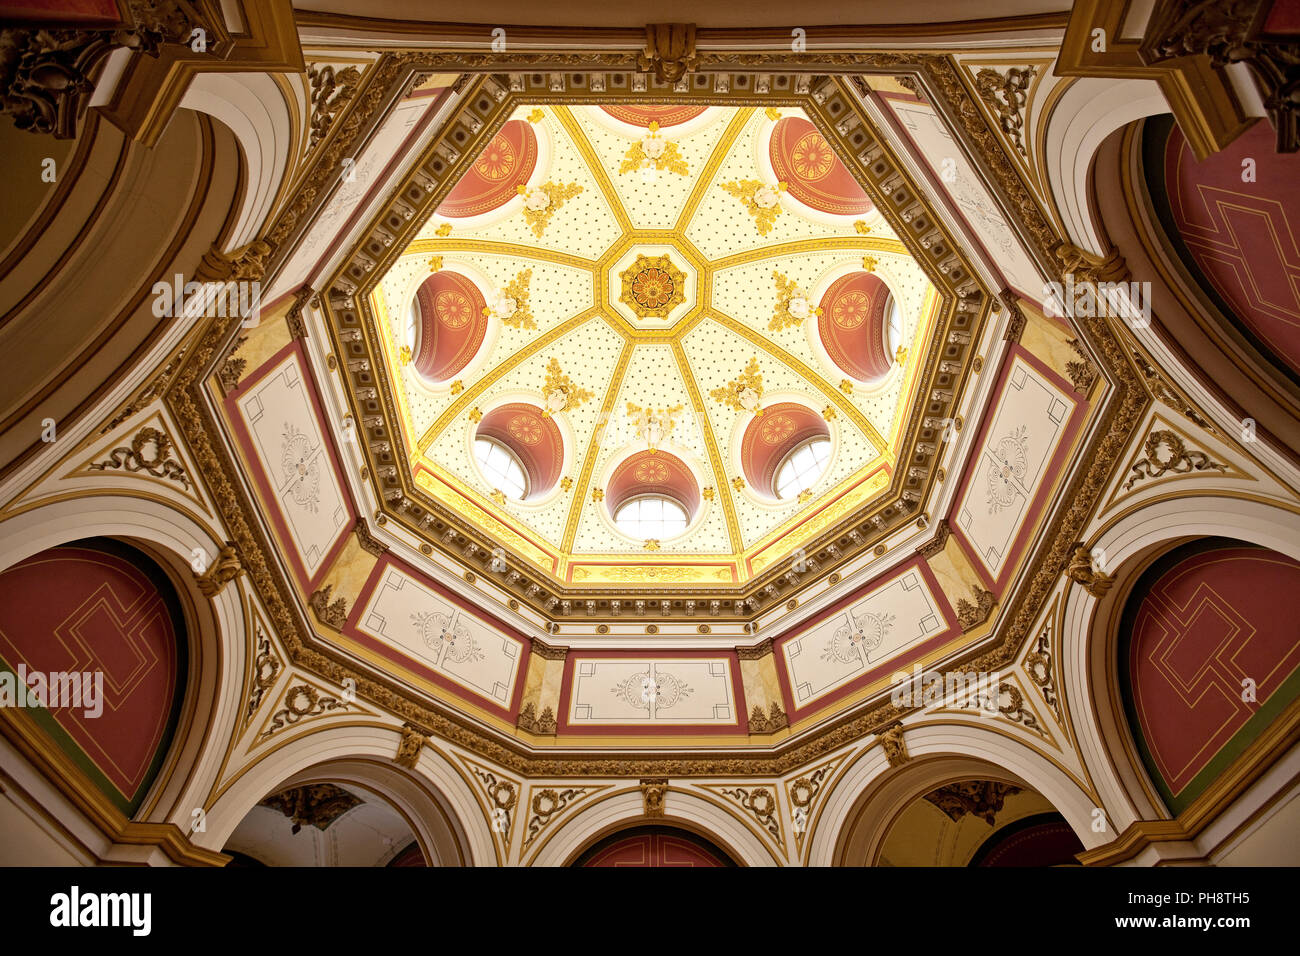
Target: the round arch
(863, 803)
(215, 630)
(434, 798)
(1089, 631)
(621, 811)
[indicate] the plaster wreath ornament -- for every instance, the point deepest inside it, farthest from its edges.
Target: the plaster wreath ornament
(542, 202)
(504, 306)
(537, 200)
(793, 307)
(510, 304)
(652, 154)
(762, 200)
(766, 197)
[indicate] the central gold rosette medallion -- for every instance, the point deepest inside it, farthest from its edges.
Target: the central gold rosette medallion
(652, 287)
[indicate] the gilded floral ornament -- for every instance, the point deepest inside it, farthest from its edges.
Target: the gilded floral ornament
(597, 494)
(793, 306)
(536, 116)
(846, 386)
(653, 425)
(869, 263)
(404, 355)
(443, 231)
(652, 287)
(560, 394)
(762, 201)
(510, 306)
(475, 415)
(499, 497)
(707, 493)
(652, 544)
(435, 262)
(743, 393)
(862, 228)
(542, 202)
(652, 153)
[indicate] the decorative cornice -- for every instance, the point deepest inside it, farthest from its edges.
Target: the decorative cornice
(332, 615)
(369, 543)
(1229, 32)
(549, 652)
(935, 547)
(971, 616)
(46, 73)
(756, 651)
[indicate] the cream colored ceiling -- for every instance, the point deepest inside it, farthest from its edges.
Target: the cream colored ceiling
(576, 325)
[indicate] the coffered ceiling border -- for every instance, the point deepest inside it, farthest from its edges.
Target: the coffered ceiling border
(189, 397)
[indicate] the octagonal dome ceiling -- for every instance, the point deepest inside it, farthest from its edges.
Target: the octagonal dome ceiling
(606, 284)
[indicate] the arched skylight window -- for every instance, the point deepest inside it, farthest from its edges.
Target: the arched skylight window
(893, 328)
(802, 467)
(501, 468)
(651, 516)
(411, 334)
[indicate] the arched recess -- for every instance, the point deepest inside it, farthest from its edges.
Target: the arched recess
(601, 817)
(325, 822)
(505, 164)
(857, 814)
(76, 295)
(96, 630)
(1206, 621)
(1225, 376)
(253, 107)
(654, 846)
(974, 822)
(214, 629)
(653, 473)
(802, 158)
(1090, 628)
(533, 438)
(450, 316)
(1089, 110)
(854, 326)
(769, 438)
(434, 798)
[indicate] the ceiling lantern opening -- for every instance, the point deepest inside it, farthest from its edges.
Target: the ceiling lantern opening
(519, 451)
(504, 165)
(860, 326)
(446, 326)
(652, 495)
(785, 452)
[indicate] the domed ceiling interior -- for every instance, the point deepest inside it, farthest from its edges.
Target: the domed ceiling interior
(646, 302)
